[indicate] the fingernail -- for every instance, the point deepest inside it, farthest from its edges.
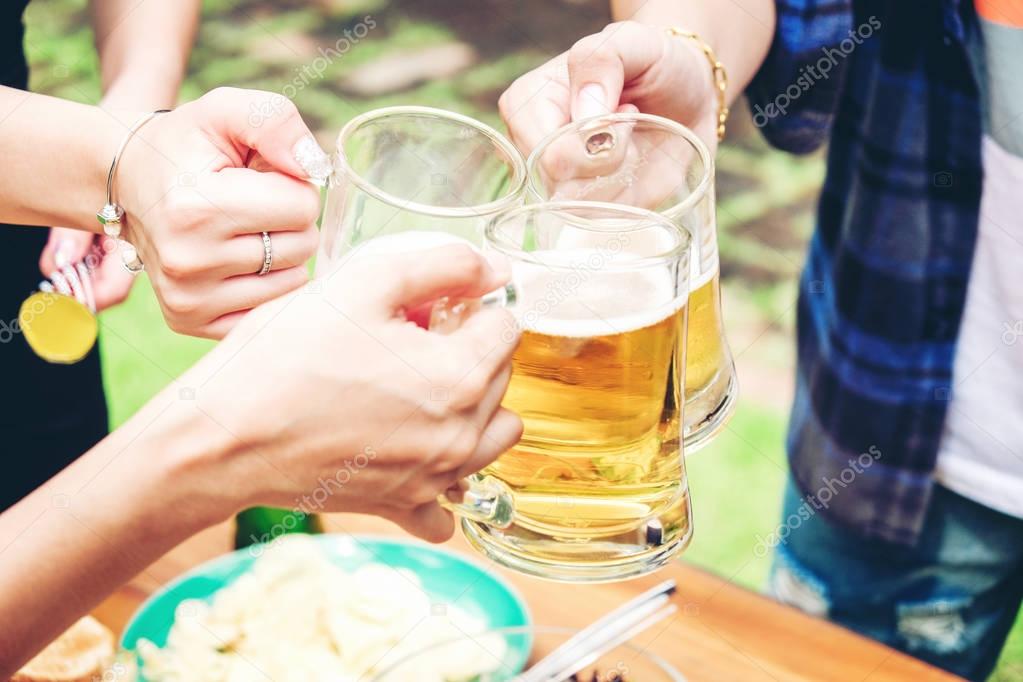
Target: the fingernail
(592, 101)
(62, 254)
(313, 160)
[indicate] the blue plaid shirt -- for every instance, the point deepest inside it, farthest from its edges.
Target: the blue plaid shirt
(889, 85)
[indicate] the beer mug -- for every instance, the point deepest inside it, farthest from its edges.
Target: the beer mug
(418, 177)
(597, 483)
(654, 163)
(410, 178)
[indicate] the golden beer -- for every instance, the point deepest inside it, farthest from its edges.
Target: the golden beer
(705, 352)
(598, 473)
(656, 164)
(709, 367)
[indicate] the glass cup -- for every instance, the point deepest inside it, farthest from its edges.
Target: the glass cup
(411, 178)
(597, 484)
(417, 177)
(656, 164)
(499, 655)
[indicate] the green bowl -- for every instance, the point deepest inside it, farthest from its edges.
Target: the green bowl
(447, 577)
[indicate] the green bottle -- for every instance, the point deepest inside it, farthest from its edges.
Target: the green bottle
(263, 524)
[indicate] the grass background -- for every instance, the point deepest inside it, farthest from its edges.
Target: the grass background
(765, 209)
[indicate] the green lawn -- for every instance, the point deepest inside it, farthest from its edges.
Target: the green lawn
(765, 208)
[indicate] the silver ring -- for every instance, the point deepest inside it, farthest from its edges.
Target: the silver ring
(268, 255)
(130, 258)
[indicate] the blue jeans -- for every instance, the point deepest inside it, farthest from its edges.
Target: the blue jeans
(950, 600)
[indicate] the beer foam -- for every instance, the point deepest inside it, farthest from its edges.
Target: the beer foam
(703, 258)
(584, 292)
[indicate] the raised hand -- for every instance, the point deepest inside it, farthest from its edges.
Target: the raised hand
(628, 66)
(201, 184)
(334, 395)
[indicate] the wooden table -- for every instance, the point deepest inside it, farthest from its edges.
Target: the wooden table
(720, 634)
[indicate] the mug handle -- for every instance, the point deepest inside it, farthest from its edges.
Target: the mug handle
(485, 499)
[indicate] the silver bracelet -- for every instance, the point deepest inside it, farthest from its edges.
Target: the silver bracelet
(111, 214)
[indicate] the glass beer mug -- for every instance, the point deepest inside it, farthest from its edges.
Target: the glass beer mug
(597, 483)
(657, 164)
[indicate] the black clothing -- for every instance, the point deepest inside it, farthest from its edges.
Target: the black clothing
(49, 414)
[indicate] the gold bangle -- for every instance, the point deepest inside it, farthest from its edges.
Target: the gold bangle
(719, 73)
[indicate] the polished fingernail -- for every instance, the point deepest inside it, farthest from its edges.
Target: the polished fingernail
(592, 101)
(313, 160)
(86, 280)
(77, 288)
(62, 254)
(61, 283)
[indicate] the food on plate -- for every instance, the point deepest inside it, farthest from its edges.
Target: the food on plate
(82, 654)
(298, 616)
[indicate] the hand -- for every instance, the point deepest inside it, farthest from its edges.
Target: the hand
(325, 399)
(335, 401)
(111, 282)
(628, 64)
(199, 185)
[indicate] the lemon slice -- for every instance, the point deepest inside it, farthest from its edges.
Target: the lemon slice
(81, 654)
(57, 327)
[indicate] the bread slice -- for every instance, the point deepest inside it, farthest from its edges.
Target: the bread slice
(81, 654)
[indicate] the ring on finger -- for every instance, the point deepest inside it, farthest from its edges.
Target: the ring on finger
(268, 255)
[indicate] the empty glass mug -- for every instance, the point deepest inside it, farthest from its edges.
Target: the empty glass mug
(418, 177)
(657, 164)
(410, 178)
